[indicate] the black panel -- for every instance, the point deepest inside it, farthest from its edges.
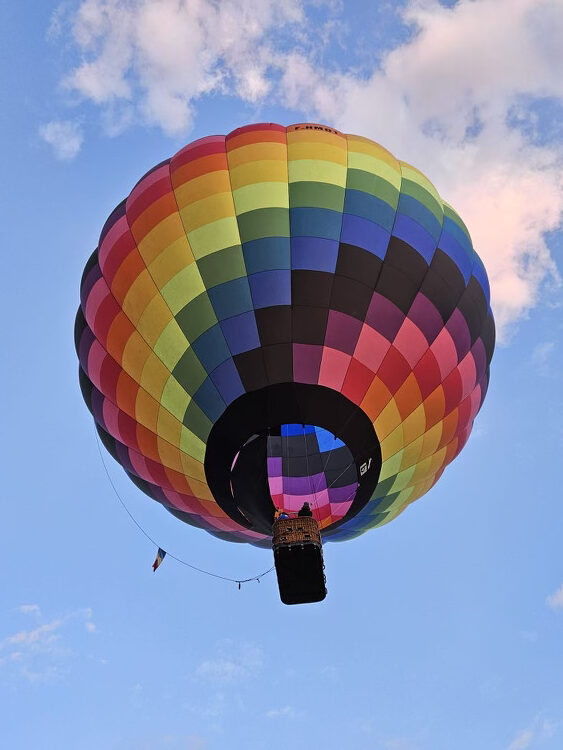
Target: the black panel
(488, 336)
(397, 287)
(473, 307)
(250, 366)
(309, 325)
(359, 264)
(442, 296)
(311, 288)
(406, 259)
(278, 361)
(351, 297)
(274, 324)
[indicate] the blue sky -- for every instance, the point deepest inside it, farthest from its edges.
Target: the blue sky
(441, 630)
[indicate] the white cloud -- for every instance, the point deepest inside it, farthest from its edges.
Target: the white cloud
(40, 654)
(522, 740)
(29, 609)
(234, 663)
(555, 600)
(455, 99)
(64, 136)
(285, 712)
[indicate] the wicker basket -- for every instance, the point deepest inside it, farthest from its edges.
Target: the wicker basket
(301, 530)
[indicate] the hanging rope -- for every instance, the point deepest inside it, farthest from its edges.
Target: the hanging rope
(238, 581)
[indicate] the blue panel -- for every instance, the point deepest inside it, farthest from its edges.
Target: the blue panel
(365, 234)
(416, 236)
(211, 348)
(267, 254)
(327, 441)
(270, 288)
(227, 381)
(456, 231)
(313, 254)
(369, 207)
(241, 332)
(230, 298)
(449, 245)
(315, 222)
(481, 276)
(208, 399)
(409, 206)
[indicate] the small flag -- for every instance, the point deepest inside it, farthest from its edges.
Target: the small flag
(160, 555)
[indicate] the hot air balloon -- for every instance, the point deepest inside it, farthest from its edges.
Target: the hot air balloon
(280, 315)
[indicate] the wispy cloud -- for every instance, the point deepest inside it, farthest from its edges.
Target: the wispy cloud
(540, 730)
(64, 136)
(555, 600)
(522, 740)
(41, 653)
(284, 712)
(541, 356)
(234, 663)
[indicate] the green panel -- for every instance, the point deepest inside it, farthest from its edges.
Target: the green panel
(317, 195)
(196, 317)
(224, 265)
(374, 185)
(422, 196)
(189, 372)
(264, 222)
(196, 421)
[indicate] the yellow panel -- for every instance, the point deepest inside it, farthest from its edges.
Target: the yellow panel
(211, 183)
(315, 137)
(412, 453)
(393, 443)
(261, 195)
(172, 259)
(154, 376)
(192, 445)
(207, 210)
(171, 345)
(192, 468)
(201, 490)
(185, 286)
(146, 410)
(258, 171)
(431, 440)
(415, 175)
(359, 144)
(414, 425)
(318, 152)
(169, 428)
(216, 236)
(165, 233)
(174, 398)
(138, 296)
(154, 320)
(376, 167)
(170, 456)
(309, 170)
(135, 354)
(388, 420)
(391, 466)
(402, 480)
(256, 152)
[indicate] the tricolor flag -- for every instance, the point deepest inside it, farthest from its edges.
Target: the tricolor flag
(160, 555)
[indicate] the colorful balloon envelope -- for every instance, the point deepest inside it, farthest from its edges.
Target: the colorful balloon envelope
(284, 314)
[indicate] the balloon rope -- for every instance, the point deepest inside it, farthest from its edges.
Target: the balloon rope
(169, 554)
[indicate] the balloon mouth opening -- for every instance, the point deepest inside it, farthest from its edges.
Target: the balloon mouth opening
(290, 443)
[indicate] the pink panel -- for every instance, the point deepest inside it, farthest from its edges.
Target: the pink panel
(411, 342)
(468, 374)
(444, 351)
(333, 368)
(306, 363)
(371, 348)
(97, 295)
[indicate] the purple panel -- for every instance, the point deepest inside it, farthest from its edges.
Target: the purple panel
(97, 407)
(86, 341)
(88, 282)
(459, 331)
(306, 362)
(342, 331)
(424, 315)
(384, 317)
(274, 466)
(342, 494)
(365, 234)
(301, 485)
(480, 358)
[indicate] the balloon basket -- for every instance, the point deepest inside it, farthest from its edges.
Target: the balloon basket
(298, 557)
